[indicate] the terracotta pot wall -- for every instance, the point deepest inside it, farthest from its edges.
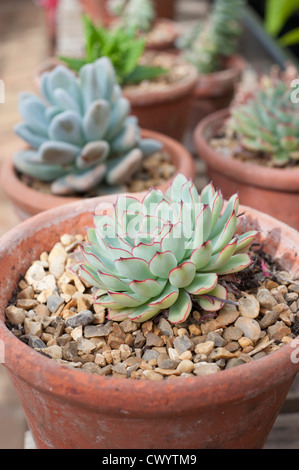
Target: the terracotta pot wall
(71, 409)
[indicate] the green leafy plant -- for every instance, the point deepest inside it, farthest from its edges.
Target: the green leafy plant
(277, 14)
(268, 122)
(165, 252)
(121, 46)
(207, 44)
(79, 132)
(137, 14)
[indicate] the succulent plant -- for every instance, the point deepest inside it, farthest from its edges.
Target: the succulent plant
(268, 122)
(84, 135)
(137, 14)
(122, 46)
(164, 252)
(206, 45)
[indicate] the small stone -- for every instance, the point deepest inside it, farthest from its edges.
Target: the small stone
(234, 362)
(34, 341)
(272, 316)
(152, 375)
(32, 328)
(114, 341)
(185, 355)
(42, 310)
(173, 354)
(84, 302)
(150, 354)
(27, 293)
(244, 342)
(35, 273)
(265, 299)
(93, 368)
(182, 344)
(68, 289)
(186, 366)
(100, 360)
(216, 338)
(83, 318)
(139, 339)
(147, 327)
(249, 306)
(59, 324)
(55, 352)
(205, 348)
(205, 368)
(64, 339)
(85, 346)
(221, 353)
(70, 352)
(165, 327)
(232, 346)
(54, 302)
(194, 330)
(77, 333)
(153, 340)
(67, 239)
(92, 331)
(164, 362)
(15, 315)
(232, 333)
(57, 259)
(116, 357)
(250, 328)
(128, 326)
(278, 331)
(48, 283)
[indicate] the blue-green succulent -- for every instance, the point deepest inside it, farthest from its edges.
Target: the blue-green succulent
(80, 131)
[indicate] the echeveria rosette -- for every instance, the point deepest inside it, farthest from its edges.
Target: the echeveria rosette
(79, 131)
(164, 252)
(269, 122)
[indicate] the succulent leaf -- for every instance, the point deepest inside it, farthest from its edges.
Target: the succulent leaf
(147, 272)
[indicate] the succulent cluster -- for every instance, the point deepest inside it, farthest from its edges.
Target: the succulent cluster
(208, 44)
(79, 132)
(164, 252)
(137, 14)
(268, 122)
(121, 45)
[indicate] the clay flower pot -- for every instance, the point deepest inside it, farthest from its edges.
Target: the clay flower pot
(28, 201)
(274, 191)
(215, 91)
(97, 10)
(165, 109)
(67, 408)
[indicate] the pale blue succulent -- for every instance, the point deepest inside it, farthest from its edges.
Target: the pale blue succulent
(79, 131)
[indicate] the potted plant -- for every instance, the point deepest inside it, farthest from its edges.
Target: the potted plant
(168, 297)
(158, 85)
(82, 142)
(99, 12)
(253, 146)
(159, 33)
(212, 47)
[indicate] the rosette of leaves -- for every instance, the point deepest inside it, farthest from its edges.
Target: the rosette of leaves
(137, 14)
(122, 46)
(207, 44)
(269, 122)
(165, 252)
(79, 131)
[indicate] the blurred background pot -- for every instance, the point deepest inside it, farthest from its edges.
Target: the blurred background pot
(274, 191)
(28, 202)
(71, 409)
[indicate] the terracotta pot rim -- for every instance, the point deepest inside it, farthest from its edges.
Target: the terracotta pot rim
(56, 379)
(169, 93)
(250, 173)
(21, 193)
(173, 27)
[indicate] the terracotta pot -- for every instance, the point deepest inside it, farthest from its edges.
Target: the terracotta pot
(28, 201)
(274, 191)
(97, 10)
(166, 110)
(215, 91)
(68, 408)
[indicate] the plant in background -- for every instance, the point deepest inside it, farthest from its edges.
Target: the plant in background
(277, 13)
(80, 131)
(121, 46)
(269, 122)
(206, 45)
(137, 14)
(165, 252)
